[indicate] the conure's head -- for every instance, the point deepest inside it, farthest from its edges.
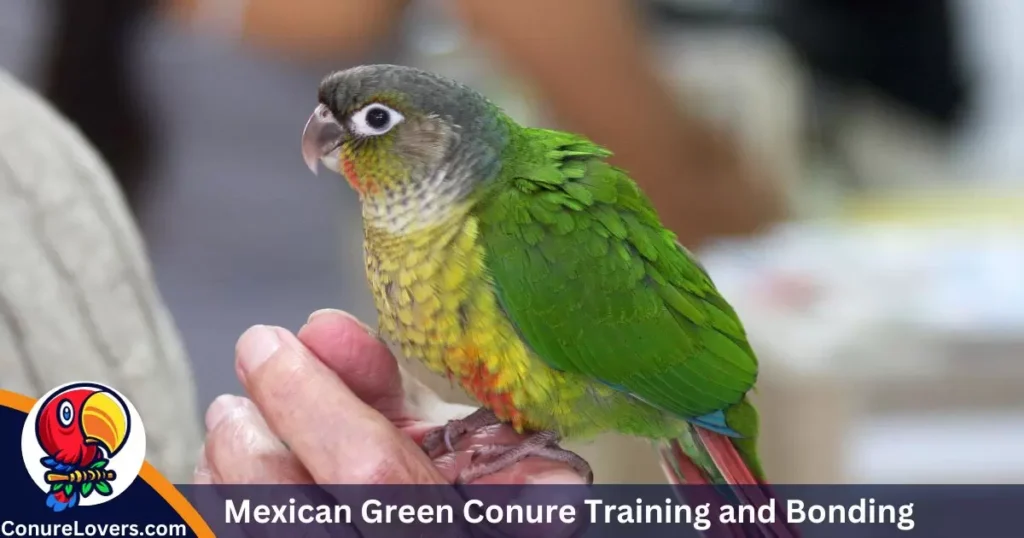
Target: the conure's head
(74, 424)
(405, 139)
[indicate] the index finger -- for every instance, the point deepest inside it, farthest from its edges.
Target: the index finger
(336, 436)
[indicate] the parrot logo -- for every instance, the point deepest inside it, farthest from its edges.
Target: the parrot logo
(83, 444)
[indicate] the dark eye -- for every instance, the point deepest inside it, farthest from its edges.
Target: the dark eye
(65, 413)
(374, 119)
(377, 117)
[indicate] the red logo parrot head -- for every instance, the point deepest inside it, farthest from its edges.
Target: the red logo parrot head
(76, 423)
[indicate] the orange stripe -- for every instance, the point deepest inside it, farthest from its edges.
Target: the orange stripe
(348, 167)
(480, 382)
(159, 483)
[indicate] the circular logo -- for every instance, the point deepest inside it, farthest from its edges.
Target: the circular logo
(83, 444)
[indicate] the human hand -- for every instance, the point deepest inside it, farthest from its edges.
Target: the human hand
(332, 406)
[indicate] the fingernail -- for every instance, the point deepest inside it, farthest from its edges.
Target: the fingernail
(342, 313)
(255, 346)
(325, 311)
(557, 477)
(221, 407)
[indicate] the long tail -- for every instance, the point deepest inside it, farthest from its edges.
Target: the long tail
(58, 501)
(716, 451)
(62, 478)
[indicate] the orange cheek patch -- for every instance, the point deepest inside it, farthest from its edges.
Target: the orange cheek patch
(361, 185)
(349, 169)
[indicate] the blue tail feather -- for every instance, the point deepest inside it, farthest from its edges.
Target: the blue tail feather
(715, 422)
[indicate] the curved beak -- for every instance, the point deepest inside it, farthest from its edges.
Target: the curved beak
(105, 421)
(321, 138)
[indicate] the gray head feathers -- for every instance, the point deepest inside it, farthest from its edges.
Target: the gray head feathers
(452, 138)
(425, 92)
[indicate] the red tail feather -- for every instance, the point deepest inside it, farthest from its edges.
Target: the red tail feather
(682, 470)
(726, 458)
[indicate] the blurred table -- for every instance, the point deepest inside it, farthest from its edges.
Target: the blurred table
(892, 337)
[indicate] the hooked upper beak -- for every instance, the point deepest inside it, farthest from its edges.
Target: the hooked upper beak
(321, 138)
(105, 421)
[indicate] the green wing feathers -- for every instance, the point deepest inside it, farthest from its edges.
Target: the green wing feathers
(743, 418)
(596, 285)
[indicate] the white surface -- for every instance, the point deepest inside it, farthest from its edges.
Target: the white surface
(922, 448)
(829, 297)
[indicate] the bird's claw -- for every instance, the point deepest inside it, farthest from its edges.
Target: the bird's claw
(490, 459)
(445, 436)
(451, 433)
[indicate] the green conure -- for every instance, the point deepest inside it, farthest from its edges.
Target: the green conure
(522, 265)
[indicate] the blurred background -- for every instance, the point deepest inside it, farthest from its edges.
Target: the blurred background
(851, 172)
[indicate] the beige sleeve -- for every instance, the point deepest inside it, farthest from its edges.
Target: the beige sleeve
(77, 297)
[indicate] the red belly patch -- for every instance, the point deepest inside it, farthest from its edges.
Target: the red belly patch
(480, 382)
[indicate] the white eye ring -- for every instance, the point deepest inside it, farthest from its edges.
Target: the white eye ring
(65, 413)
(374, 119)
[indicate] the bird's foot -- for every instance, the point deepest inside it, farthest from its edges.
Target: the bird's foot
(541, 444)
(446, 436)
